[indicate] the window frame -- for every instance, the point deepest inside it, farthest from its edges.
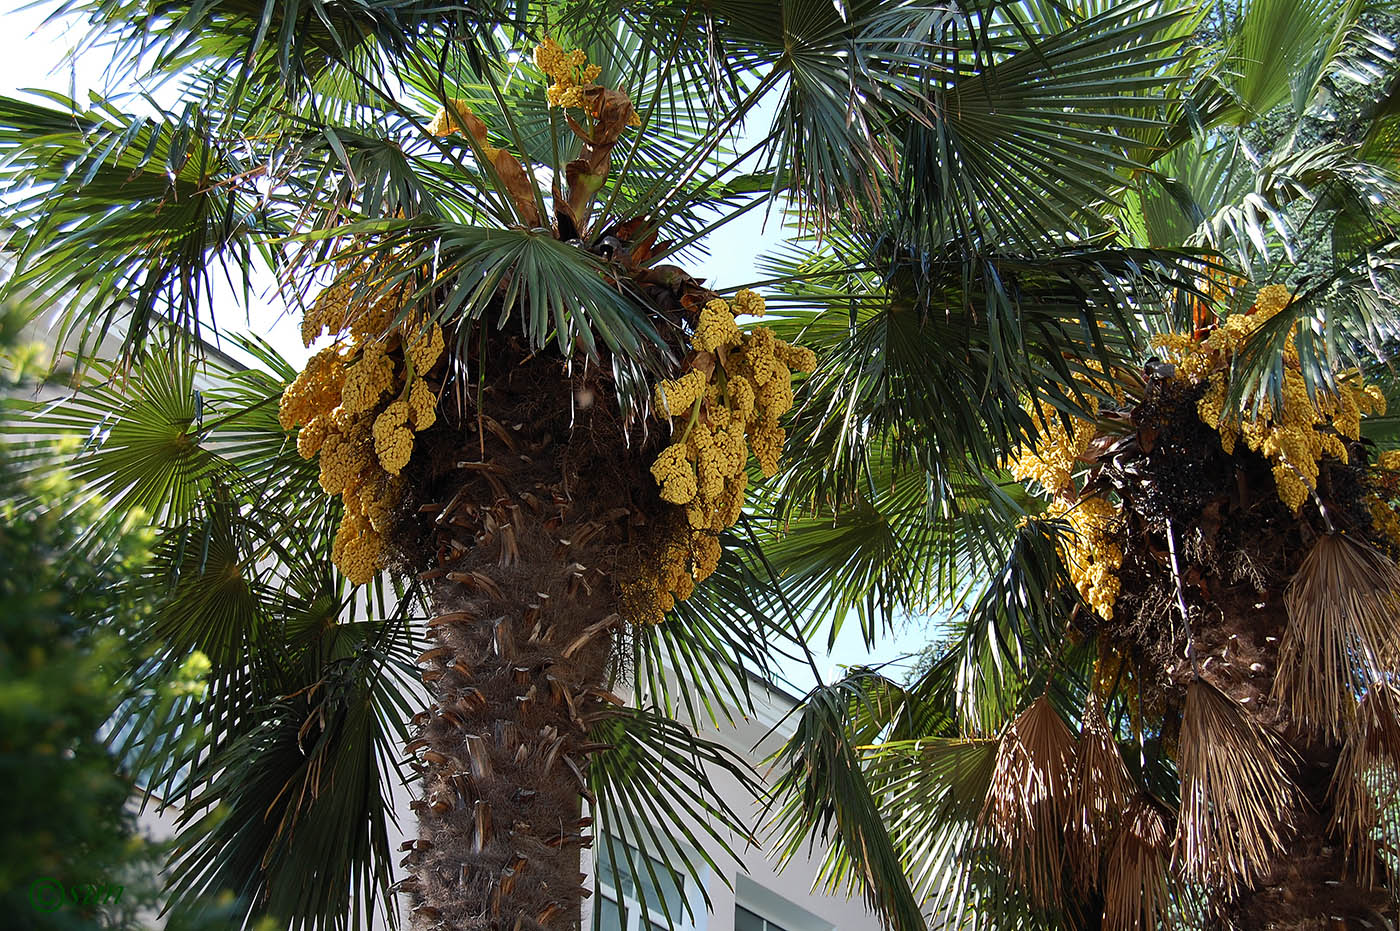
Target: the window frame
(634, 919)
(768, 923)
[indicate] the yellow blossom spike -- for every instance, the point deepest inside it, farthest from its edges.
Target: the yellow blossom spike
(716, 328)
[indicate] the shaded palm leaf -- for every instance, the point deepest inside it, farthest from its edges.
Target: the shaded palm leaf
(822, 796)
(163, 195)
(655, 782)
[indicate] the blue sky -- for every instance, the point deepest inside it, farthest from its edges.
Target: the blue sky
(32, 56)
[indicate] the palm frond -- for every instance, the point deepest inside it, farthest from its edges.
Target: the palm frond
(654, 782)
(1030, 800)
(1028, 130)
(126, 216)
(1236, 796)
(822, 796)
(702, 663)
(138, 441)
(554, 292)
(1014, 630)
(905, 542)
(281, 795)
(936, 354)
(1279, 50)
(1101, 790)
(272, 42)
(932, 790)
(1340, 635)
(1365, 788)
(1137, 864)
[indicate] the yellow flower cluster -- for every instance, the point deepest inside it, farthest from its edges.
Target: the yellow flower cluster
(572, 76)
(716, 327)
(1092, 552)
(678, 560)
(1051, 461)
(351, 303)
(315, 391)
(1295, 438)
(336, 401)
(1385, 522)
(570, 72)
(423, 345)
(1191, 359)
(720, 411)
(1115, 670)
(368, 380)
(393, 439)
(1389, 460)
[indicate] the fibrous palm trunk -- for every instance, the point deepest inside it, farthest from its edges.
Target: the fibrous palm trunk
(529, 515)
(1313, 883)
(1206, 535)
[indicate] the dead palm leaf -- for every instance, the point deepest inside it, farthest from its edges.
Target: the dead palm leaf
(1235, 794)
(1365, 785)
(1340, 632)
(1136, 892)
(1098, 797)
(1028, 803)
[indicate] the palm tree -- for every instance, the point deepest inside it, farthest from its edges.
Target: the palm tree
(1165, 694)
(528, 419)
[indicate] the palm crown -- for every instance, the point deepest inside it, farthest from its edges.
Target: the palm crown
(494, 228)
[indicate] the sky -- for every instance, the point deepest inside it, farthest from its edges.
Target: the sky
(32, 55)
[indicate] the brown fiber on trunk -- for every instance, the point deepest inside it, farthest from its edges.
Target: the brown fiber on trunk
(533, 504)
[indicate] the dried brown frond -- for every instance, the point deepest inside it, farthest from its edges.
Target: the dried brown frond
(1366, 784)
(1136, 893)
(1029, 799)
(1100, 793)
(1340, 634)
(1236, 796)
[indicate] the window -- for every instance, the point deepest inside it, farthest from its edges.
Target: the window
(620, 909)
(745, 920)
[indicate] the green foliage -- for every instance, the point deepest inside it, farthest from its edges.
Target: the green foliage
(61, 654)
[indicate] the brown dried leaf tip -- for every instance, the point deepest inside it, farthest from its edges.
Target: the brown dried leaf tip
(1100, 793)
(1235, 794)
(1366, 785)
(1137, 892)
(1029, 800)
(1341, 633)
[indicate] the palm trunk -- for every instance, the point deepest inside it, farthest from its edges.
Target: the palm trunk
(534, 518)
(1312, 886)
(1207, 534)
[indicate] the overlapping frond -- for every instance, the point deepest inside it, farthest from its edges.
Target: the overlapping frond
(1100, 796)
(310, 781)
(655, 782)
(275, 42)
(1365, 787)
(1137, 874)
(128, 217)
(821, 796)
(1031, 133)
